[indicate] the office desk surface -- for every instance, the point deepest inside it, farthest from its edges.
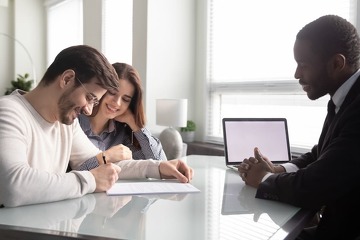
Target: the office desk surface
(224, 209)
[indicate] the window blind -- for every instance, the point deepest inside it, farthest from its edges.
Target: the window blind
(250, 64)
(64, 26)
(117, 30)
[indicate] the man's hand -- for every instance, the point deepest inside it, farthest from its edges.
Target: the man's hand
(118, 153)
(176, 169)
(105, 176)
(245, 166)
(273, 168)
(253, 169)
(270, 167)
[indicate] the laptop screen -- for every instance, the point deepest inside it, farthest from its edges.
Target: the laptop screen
(242, 135)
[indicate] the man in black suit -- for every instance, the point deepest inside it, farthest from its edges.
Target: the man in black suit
(327, 53)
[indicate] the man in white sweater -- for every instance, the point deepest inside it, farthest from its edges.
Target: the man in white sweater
(40, 135)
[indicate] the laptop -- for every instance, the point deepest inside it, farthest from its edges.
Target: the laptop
(242, 135)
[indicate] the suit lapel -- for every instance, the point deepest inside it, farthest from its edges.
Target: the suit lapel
(330, 127)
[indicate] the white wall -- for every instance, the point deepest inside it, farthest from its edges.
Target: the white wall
(6, 56)
(163, 46)
(200, 93)
(23, 20)
(29, 28)
(163, 49)
(170, 53)
(92, 23)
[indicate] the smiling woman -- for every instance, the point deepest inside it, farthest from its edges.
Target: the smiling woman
(119, 121)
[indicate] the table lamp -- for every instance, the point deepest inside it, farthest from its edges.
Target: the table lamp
(171, 113)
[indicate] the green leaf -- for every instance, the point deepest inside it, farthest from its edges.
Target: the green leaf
(22, 82)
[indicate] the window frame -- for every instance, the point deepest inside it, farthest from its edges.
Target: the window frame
(247, 87)
(53, 32)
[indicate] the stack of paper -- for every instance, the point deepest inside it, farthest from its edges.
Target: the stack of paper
(150, 187)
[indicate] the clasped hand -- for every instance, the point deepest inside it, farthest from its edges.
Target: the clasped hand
(253, 169)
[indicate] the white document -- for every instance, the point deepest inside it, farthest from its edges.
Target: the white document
(150, 187)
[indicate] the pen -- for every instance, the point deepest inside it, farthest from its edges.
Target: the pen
(103, 157)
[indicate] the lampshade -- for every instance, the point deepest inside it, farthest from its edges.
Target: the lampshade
(171, 112)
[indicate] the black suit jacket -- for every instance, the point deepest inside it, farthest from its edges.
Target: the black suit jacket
(329, 175)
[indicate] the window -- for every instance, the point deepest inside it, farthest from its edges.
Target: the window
(250, 64)
(64, 26)
(117, 33)
(66, 31)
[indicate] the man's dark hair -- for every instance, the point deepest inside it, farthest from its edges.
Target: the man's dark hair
(87, 62)
(330, 35)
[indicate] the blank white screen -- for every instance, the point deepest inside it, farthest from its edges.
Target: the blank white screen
(269, 136)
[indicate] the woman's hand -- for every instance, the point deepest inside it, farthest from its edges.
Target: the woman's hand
(128, 118)
(176, 169)
(118, 153)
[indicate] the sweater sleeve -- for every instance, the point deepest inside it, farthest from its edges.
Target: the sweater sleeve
(131, 169)
(324, 178)
(32, 163)
(83, 150)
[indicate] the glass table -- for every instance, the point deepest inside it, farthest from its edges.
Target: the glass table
(225, 208)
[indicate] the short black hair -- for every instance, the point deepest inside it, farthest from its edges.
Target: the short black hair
(330, 35)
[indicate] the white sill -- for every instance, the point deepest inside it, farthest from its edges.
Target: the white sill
(296, 151)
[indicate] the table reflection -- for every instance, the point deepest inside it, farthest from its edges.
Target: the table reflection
(239, 204)
(93, 214)
(127, 221)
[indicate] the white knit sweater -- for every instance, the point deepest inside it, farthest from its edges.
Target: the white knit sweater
(34, 155)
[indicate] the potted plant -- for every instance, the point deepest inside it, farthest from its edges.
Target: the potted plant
(188, 132)
(21, 83)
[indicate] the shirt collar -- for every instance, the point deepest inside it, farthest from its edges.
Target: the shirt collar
(343, 90)
(85, 123)
(111, 126)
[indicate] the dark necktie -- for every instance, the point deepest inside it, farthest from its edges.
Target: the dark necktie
(331, 111)
(327, 123)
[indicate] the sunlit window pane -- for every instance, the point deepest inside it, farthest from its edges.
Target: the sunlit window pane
(253, 40)
(64, 27)
(117, 34)
(250, 64)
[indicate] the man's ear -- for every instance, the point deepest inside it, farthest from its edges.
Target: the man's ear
(338, 62)
(67, 77)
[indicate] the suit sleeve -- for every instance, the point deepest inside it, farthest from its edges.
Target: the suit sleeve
(306, 158)
(322, 179)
